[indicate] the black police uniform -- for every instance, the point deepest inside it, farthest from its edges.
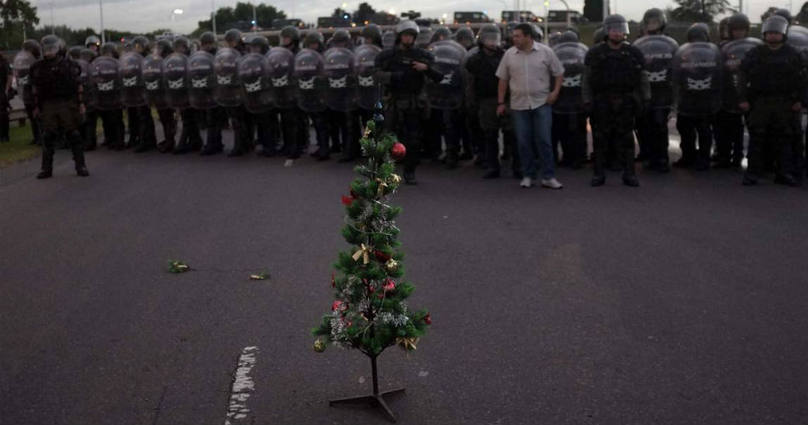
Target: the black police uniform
(56, 90)
(482, 68)
(772, 81)
(406, 107)
(4, 103)
(616, 89)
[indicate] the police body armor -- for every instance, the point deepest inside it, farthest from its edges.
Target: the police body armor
(697, 76)
(341, 93)
(175, 75)
(572, 56)
(614, 71)
(368, 87)
(227, 90)
(22, 68)
(658, 51)
(133, 89)
(776, 73)
(449, 61)
(202, 80)
(84, 80)
(732, 54)
(311, 81)
(253, 72)
(281, 63)
(152, 70)
(106, 80)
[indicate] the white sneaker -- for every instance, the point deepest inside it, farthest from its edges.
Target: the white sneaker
(526, 182)
(552, 183)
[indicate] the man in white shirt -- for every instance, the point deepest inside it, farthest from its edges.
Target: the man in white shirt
(533, 74)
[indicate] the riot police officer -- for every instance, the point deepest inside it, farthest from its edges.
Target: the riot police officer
(312, 90)
(729, 135)
(616, 90)
(166, 114)
(5, 87)
(658, 51)
(109, 102)
(403, 70)
(257, 98)
(190, 137)
(482, 68)
(368, 88)
(31, 52)
(569, 118)
(239, 120)
(697, 85)
(216, 117)
(57, 93)
(772, 82)
(296, 123)
(145, 138)
(342, 125)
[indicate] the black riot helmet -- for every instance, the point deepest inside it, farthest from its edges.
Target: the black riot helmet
(554, 38)
(388, 39)
(489, 36)
(465, 36)
(92, 41)
(109, 49)
(207, 38)
(441, 33)
(259, 44)
(738, 21)
(141, 44)
(32, 47)
(340, 38)
(698, 32)
(87, 54)
(599, 35)
(407, 26)
(654, 21)
(232, 37)
(182, 45)
(51, 45)
(536, 33)
(291, 33)
(163, 48)
(785, 14)
(314, 37)
(776, 24)
(74, 52)
(617, 23)
(372, 34)
(569, 36)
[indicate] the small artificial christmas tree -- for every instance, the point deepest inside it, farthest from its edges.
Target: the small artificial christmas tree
(370, 312)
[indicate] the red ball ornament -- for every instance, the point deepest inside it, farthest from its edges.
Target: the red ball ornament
(428, 319)
(398, 151)
(381, 256)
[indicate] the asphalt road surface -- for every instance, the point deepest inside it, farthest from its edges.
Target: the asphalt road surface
(679, 302)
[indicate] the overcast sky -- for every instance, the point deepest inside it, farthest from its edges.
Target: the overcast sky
(147, 15)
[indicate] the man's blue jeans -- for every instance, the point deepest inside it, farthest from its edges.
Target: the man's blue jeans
(533, 128)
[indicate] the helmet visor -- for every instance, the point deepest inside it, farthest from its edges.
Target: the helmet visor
(491, 39)
(620, 27)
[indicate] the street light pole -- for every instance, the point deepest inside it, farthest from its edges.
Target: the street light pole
(213, 15)
(101, 12)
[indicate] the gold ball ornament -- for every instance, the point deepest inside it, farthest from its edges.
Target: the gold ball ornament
(395, 178)
(319, 346)
(392, 265)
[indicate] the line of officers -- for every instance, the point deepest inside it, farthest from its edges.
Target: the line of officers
(445, 84)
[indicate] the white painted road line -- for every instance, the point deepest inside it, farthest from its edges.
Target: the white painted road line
(242, 387)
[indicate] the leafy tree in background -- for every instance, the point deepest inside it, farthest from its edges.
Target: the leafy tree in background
(699, 10)
(18, 18)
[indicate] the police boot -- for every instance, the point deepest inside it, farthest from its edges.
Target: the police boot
(786, 179)
(182, 148)
(409, 177)
(165, 146)
(211, 149)
(143, 147)
(631, 180)
(749, 179)
(598, 180)
(451, 159)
